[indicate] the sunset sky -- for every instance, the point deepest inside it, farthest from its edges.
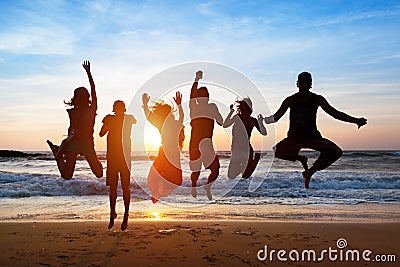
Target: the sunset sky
(352, 48)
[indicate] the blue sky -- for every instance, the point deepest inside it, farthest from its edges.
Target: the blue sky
(352, 48)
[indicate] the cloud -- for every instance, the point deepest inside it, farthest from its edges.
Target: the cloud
(350, 17)
(206, 9)
(134, 32)
(378, 58)
(129, 42)
(38, 41)
(38, 28)
(98, 6)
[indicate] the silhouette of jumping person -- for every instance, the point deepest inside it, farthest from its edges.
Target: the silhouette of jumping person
(165, 173)
(303, 132)
(242, 159)
(201, 150)
(118, 129)
(80, 132)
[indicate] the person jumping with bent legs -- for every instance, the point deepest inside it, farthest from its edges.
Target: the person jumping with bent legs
(303, 132)
(201, 150)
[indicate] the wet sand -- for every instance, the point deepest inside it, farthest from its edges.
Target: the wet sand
(191, 243)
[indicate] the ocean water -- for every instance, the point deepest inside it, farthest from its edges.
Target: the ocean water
(32, 188)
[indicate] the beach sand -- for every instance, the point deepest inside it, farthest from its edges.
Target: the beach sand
(189, 243)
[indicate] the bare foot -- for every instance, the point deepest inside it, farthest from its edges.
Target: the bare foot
(303, 160)
(53, 147)
(207, 187)
(124, 224)
(306, 176)
(194, 192)
(112, 217)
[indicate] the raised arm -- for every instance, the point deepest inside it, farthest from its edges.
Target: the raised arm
(281, 111)
(229, 119)
(145, 106)
(321, 101)
(193, 91)
(86, 66)
(178, 101)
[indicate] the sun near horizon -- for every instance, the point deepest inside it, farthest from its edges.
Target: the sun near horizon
(44, 43)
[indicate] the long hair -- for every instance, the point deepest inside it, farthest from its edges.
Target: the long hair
(159, 113)
(245, 107)
(81, 98)
(181, 138)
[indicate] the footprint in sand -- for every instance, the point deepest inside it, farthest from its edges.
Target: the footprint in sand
(210, 258)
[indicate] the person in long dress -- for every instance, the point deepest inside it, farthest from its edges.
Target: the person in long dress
(165, 173)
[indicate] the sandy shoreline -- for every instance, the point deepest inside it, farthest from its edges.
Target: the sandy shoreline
(188, 243)
(66, 209)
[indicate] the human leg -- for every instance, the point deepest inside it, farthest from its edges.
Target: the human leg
(288, 149)
(209, 159)
(329, 153)
(195, 166)
(236, 164)
(126, 191)
(194, 177)
(65, 164)
(126, 188)
(238, 160)
(67, 167)
(113, 200)
(95, 165)
(124, 223)
(112, 182)
(214, 168)
(251, 163)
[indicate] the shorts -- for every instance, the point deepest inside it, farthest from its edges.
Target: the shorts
(82, 147)
(118, 167)
(203, 155)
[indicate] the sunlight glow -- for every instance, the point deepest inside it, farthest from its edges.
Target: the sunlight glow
(155, 215)
(358, 76)
(152, 138)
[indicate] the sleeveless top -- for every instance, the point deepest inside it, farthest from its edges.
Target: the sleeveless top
(82, 123)
(202, 122)
(201, 128)
(303, 117)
